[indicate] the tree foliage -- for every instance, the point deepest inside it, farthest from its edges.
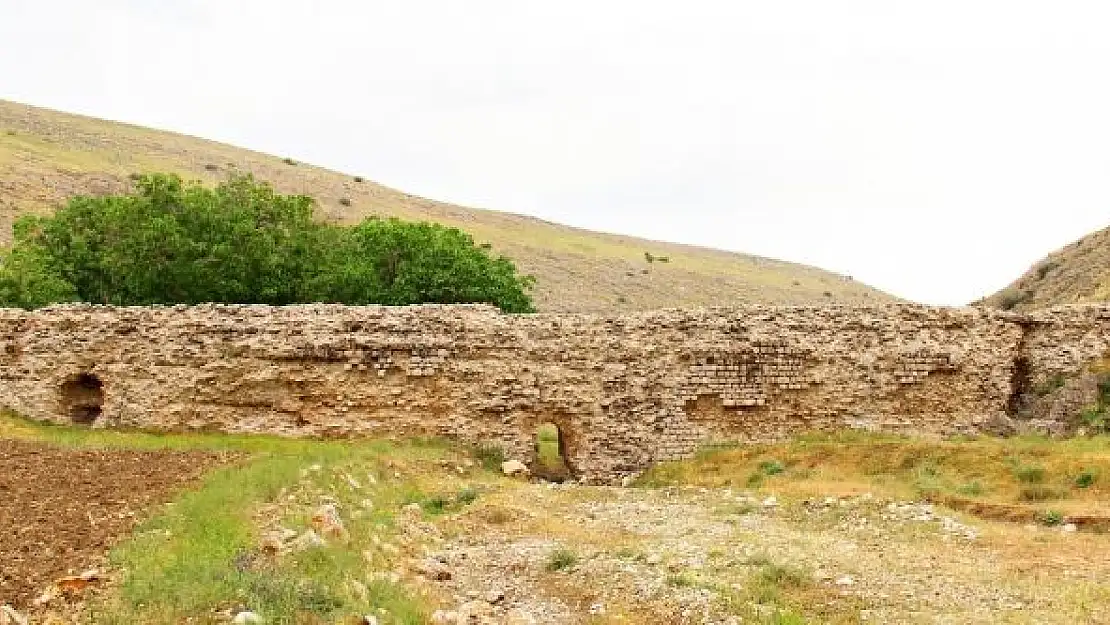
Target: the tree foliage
(172, 242)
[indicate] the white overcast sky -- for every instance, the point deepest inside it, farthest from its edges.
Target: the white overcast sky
(931, 148)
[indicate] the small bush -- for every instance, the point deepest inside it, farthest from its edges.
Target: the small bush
(359, 179)
(662, 259)
(783, 576)
(496, 515)
(288, 161)
(10, 133)
(467, 496)
(1085, 479)
(1029, 474)
(345, 201)
(435, 505)
(771, 467)
(1050, 386)
(755, 480)
(1051, 517)
(134, 176)
(1039, 492)
(211, 167)
(1044, 268)
(1011, 298)
(649, 257)
(561, 559)
(490, 457)
(971, 489)
(759, 559)
(680, 580)
(827, 294)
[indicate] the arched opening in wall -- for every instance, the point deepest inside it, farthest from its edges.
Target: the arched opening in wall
(551, 459)
(83, 398)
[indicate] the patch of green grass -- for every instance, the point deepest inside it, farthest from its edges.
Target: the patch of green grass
(771, 467)
(1086, 479)
(561, 559)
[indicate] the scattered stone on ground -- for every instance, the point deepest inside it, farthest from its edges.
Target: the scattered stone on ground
(514, 468)
(669, 554)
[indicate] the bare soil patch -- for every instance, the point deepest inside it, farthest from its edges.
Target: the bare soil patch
(62, 508)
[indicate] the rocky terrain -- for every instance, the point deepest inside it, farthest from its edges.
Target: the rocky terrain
(728, 556)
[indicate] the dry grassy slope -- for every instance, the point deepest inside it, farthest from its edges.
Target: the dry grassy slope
(46, 156)
(1076, 273)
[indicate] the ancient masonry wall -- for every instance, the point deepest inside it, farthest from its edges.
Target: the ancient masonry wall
(625, 391)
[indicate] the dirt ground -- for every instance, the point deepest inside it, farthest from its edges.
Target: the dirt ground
(61, 509)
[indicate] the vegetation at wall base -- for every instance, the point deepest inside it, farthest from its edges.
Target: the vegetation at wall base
(241, 242)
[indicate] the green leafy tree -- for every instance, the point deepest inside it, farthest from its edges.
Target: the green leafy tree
(171, 242)
(395, 262)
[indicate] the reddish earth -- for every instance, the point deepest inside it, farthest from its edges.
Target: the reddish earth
(62, 508)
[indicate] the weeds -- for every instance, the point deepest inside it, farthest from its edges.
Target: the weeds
(771, 467)
(561, 559)
(971, 489)
(1029, 474)
(1051, 518)
(490, 457)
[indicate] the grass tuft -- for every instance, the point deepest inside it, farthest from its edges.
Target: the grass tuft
(561, 559)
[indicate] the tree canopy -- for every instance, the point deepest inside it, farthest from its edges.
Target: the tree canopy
(241, 242)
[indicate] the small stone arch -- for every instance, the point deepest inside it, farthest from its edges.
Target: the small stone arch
(82, 398)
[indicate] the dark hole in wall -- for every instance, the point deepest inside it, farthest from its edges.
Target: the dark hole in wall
(83, 398)
(1020, 387)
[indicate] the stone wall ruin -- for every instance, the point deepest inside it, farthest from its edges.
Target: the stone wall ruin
(624, 391)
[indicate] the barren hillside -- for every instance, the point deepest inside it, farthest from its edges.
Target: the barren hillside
(1076, 273)
(46, 156)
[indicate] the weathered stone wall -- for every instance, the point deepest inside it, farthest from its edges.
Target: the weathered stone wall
(625, 391)
(1064, 356)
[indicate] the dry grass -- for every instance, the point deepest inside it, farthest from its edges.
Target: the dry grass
(46, 156)
(1077, 273)
(1031, 473)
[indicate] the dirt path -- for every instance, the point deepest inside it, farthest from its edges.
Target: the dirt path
(61, 508)
(716, 556)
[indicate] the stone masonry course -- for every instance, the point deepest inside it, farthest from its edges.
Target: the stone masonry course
(625, 391)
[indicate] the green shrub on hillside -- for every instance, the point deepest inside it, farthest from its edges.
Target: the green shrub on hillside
(171, 242)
